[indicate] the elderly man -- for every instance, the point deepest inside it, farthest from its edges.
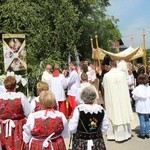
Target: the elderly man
(117, 103)
(46, 76)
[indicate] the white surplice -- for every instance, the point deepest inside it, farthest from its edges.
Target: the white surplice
(73, 82)
(58, 86)
(46, 77)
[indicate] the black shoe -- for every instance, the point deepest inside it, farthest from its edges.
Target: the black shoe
(147, 136)
(140, 136)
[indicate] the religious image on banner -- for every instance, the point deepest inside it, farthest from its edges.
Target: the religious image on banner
(14, 52)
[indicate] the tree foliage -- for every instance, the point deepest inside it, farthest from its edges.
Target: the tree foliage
(50, 27)
(54, 28)
(95, 21)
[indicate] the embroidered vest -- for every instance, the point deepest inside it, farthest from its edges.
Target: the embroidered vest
(44, 127)
(89, 126)
(11, 109)
(37, 106)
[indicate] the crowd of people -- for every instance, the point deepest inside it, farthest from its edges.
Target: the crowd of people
(78, 103)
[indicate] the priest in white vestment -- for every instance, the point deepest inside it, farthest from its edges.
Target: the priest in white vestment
(117, 103)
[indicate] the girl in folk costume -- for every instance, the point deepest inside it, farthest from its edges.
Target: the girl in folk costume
(73, 82)
(141, 95)
(84, 84)
(14, 108)
(35, 105)
(87, 123)
(58, 86)
(45, 129)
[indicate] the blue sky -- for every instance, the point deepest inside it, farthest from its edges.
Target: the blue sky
(134, 17)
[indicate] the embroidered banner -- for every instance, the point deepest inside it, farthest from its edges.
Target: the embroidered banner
(14, 52)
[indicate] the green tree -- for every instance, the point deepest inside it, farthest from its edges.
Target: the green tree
(49, 26)
(54, 29)
(94, 20)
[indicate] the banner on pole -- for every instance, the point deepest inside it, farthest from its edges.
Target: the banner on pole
(14, 52)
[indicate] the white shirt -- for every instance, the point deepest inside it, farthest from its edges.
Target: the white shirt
(2, 89)
(141, 95)
(91, 74)
(131, 81)
(46, 77)
(80, 89)
(33, 104)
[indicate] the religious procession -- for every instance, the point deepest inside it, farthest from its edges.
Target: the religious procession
(67, 80)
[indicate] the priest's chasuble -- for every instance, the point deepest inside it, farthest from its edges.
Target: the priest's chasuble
(117, 99)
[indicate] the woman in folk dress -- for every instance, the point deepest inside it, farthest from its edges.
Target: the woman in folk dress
(35, 105)
(45, 129)
(88, 122)
(14, 108)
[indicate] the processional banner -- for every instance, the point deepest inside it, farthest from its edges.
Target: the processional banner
(14, 52)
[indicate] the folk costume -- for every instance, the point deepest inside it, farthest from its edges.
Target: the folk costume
(87, 124)
(14, 108)
(79, 90)
(73, 82)
(58, 86)
(35, 105)
(45, 129)
(118, 106)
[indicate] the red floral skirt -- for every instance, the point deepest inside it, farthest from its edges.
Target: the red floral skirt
(15, 141)
(57, 144)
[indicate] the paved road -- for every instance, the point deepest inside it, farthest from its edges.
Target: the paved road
(133, 144)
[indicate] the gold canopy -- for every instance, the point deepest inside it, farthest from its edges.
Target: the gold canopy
(127, 55)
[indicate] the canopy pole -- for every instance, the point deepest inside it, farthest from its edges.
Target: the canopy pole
(132, 42)
(97, 47)
(96, 37)
(144, 51)
(92, 43)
